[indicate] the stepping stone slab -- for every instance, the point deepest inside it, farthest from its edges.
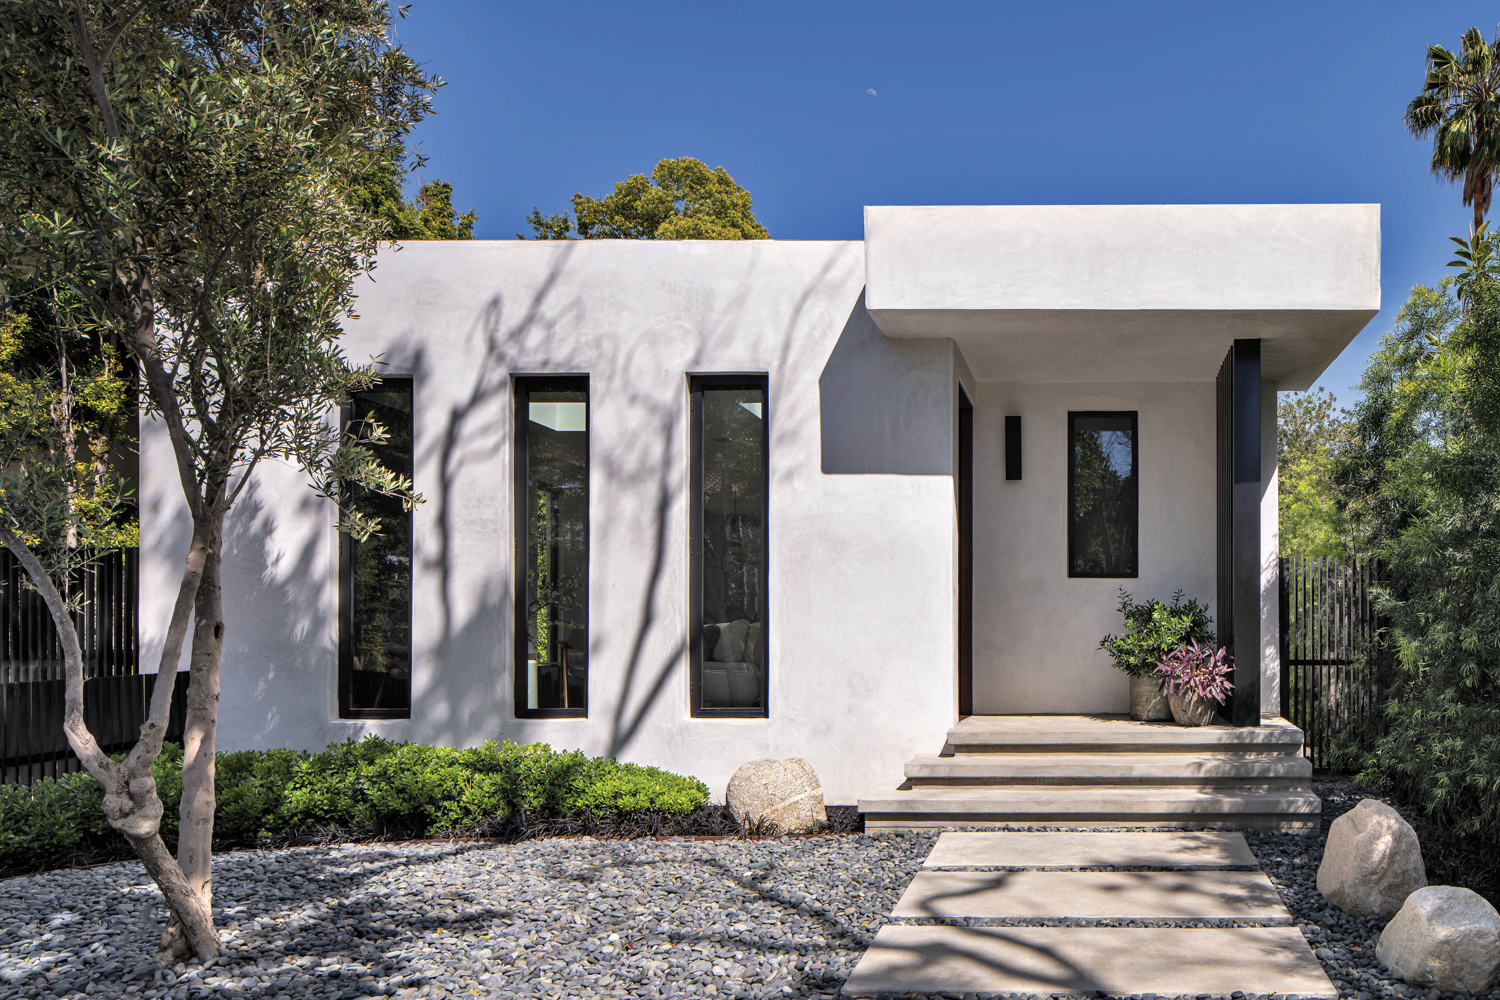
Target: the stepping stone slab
(1170, 961)
(1170, 895)
(1007, 849)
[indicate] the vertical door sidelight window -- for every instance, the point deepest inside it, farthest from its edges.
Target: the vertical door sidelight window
(375, 574)
(552, 546)
(1103, 494)
(728, 545)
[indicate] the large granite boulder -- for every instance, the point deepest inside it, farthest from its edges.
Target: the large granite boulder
(1444, 937)
(780, 796)
(1372, 861)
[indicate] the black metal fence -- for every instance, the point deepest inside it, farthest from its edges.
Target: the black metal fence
(106, 621)
(1328, 643)
(115, 694)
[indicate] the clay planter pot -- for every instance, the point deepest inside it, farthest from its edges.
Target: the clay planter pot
(1147, 702)
(1189, 709)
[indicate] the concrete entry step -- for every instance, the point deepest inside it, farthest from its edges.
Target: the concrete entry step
(1121, 960)
(1023, 849)
(1082, 805)
(1113, 734)
(1202, 768)
(1158, 895)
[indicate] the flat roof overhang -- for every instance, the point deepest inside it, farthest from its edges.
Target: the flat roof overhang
(1126, 293)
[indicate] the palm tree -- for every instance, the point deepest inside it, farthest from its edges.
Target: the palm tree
(1460, 105)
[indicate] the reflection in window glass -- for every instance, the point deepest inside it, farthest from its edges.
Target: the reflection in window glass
(1103, 521)
(554, 560)
(376, 633)
(731, 453)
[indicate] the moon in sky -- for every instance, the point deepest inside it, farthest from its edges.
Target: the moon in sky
(871, 91)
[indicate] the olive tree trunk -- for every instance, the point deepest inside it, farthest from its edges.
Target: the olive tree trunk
(195, 831)
(131, 804)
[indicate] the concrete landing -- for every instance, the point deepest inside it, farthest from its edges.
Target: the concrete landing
(1018, 849)
(1120, 960)
(1155, 895)
(1031, 879)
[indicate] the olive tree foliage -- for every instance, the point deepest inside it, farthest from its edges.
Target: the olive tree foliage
(683, 199)
(174, 176)
(1421, 482)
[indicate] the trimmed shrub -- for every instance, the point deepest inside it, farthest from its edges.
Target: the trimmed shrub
(369, 787)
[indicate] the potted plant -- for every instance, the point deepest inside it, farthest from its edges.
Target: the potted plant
(1153, 630)
(1196, 680)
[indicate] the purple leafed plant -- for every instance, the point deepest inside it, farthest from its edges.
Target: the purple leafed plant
(1197, 668)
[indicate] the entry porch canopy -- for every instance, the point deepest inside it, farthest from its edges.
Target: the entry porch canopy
(1250, 297)
(1126, 293)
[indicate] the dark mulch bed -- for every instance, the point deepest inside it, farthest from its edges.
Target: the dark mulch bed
(705, 821)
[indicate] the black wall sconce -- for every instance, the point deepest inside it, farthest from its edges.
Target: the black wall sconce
(1012, 447)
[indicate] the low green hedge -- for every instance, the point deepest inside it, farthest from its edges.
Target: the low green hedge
(373, 786)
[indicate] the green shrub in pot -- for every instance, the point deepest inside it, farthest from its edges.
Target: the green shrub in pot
(1154, 630)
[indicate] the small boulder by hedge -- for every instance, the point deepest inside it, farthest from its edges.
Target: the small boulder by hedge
(1444, 937)
(1371, 862)
(781, 796)
(370, 787)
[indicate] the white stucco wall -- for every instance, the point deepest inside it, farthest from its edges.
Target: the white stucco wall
(1036, 631)
(861, 510)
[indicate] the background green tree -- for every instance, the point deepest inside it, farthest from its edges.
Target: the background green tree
(174, 183)
(1459, 106)
(1421, 480)
(1310, 434)
(429, 215)
(683, 199)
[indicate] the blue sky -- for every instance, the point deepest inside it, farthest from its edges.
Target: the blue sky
(980, 103)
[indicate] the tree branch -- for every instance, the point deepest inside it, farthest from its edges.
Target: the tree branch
(96, 71)
(124, 24)
(154, 729)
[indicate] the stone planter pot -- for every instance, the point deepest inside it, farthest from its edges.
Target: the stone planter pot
(1147, 702)
(1190, 710)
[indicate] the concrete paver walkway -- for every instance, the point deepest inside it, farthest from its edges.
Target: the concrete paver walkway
(1031, 882)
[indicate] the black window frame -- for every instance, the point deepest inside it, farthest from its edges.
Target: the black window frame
(1135, 474)
(696, 385)
(521, 388)
(346, 590)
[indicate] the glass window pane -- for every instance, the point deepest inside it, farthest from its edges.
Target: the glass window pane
(378, 661)
(555, 559)
(733, 547)
(1102, 515)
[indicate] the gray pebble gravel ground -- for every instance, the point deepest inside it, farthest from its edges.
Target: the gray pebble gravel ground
(545, 918)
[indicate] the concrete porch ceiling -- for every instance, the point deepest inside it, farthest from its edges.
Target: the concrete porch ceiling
(1126, 293)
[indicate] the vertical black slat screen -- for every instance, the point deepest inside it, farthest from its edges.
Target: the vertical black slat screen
(1012, 447)
(1330, 639)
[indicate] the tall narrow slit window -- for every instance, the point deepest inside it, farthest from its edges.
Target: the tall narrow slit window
(728, 545)
(1103, 495)
(375, 574)
(552, 543)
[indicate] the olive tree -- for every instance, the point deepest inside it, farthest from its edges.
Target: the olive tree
(174, 175)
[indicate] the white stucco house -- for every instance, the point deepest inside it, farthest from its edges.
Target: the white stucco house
(693, 503)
